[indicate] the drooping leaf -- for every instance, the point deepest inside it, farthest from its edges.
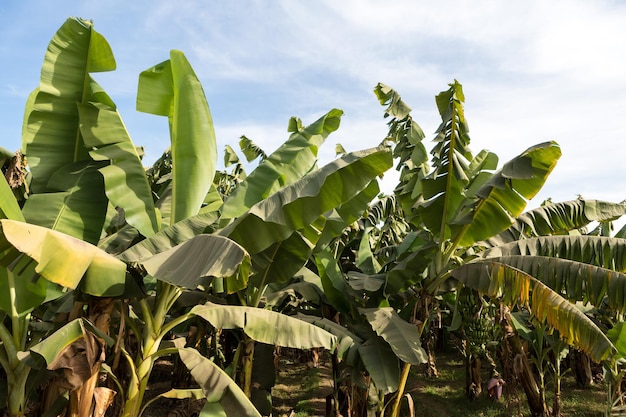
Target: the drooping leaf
(266, 326)
(578, 281)
(558, 218)
(364, 282)
(170, 237)
(217, 386)
(172, 89)
(203, 256)
(601, 251)
(403, 337)
(65, 260)
(335, 286)
(514, 286)
(347, 341)
(381, 363)
(50, 348)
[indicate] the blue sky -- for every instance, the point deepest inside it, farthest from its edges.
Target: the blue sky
(532, 71)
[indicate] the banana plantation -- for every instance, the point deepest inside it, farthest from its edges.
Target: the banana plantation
(108, 267)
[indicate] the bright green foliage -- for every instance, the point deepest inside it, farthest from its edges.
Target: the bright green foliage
(172, 89)
(79, 152)
(289, 163)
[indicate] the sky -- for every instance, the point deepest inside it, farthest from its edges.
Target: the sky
(532, 71)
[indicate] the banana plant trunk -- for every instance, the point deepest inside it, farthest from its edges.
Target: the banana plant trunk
(582, 368)
(247, 358)
(473, 381)
(524, 373)
(424, 307)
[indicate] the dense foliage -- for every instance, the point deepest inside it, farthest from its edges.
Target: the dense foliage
(110, 266)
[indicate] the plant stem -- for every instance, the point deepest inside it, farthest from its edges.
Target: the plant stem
(395, 411)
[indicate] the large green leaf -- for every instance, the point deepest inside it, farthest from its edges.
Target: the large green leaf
(443, 188)
(403, 337)
(52, 134)
(296, 206)
(266, 326)
(289, 163)
(381, 363)
(9, 209)
(504, 197)
(65, 260)
(514, 286)
(23, 289)
(125, 180)
(172, 89)
(220, 390)
(76, 204)
(170, 237)
(203, 256)
(282, 260)
(558, 218)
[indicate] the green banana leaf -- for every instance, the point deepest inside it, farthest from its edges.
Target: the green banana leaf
(347, 341)
(504, 197)
(298, 205)
(335, 285)
(203, 256)
(381, 363)
(53, 345)
(125, 180)
(170, 237)
(279, 262)
(289, 163)
(24, 290)
(402, 337)
(65, 260)
(443, 188)
(266, 326)
(172, 89)
(9, 209)
(75, 204)
(514, 286)
(52, 133)
(374, 353)
(558, 218)
(73, 138)
(224, 397)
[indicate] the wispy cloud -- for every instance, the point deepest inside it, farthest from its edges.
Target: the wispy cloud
(532, 71)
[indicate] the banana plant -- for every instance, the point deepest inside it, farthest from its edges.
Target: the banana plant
(451, 201)
(37, 263)
(549, 265)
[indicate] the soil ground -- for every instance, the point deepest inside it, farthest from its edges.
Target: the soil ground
(301, 391)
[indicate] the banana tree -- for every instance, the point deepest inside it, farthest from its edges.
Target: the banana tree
(451, 202)
(37, 263)
(544, 254)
